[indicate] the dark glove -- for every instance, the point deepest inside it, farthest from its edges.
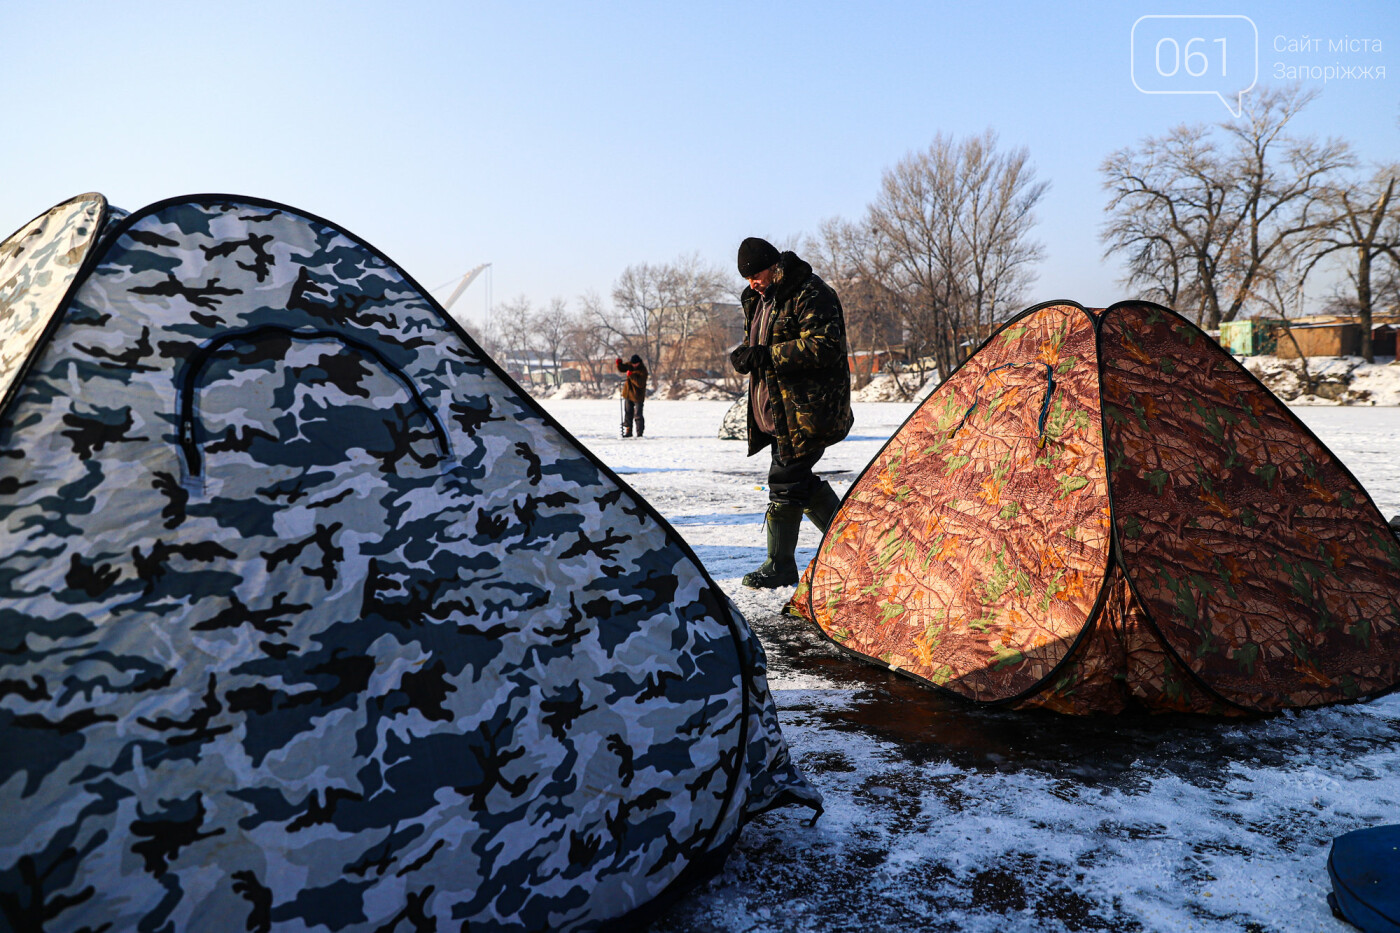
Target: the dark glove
(751, 359)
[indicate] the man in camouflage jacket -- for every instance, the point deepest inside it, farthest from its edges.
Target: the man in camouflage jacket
(794, 352)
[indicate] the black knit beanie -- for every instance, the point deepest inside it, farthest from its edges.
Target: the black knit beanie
(636, 358)
(755, 255)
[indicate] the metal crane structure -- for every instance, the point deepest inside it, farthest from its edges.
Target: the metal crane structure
(462, 285)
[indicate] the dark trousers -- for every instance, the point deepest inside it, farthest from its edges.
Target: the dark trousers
(633, 411)
(793, 482)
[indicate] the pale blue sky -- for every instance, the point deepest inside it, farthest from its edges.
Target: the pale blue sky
(563, 141)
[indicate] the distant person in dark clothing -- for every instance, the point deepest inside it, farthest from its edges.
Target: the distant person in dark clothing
(794, 353)
(634, 394)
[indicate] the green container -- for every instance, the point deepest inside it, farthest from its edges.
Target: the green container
(1250, 338)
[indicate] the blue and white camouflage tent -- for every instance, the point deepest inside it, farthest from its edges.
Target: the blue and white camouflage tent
(311, 619)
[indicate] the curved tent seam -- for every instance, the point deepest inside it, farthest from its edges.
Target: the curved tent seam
(127, 222)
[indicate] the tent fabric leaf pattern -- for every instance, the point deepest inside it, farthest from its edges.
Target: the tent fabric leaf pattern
(1180, 541)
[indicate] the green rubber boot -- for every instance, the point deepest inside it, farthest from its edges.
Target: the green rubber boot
(780, 569)
(822, 509)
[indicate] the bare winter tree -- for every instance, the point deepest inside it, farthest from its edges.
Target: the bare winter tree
(548, 327)
(663, 312)
(483, 336)
(914, 240)
(843, 254)
(951, 232)
(1001, 194)
(1160, 263)
(1165, 215)
(587, 340)
(638, 317)
(1280, 291)
(1205, 217)
(697, 335)
(1365, 229)
(512, 332)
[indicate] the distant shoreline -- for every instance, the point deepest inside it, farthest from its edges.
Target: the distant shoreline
(1338, 381)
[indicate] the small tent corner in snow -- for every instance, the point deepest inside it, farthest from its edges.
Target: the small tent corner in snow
(735, 426)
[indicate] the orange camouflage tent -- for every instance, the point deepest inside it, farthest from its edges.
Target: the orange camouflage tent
(1101, 509)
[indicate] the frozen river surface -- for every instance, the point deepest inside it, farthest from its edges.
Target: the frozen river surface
(943, 817)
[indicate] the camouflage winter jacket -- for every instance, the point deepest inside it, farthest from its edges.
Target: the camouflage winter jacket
(809, 374)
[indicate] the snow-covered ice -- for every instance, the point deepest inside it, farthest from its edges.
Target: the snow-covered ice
(943, 817)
